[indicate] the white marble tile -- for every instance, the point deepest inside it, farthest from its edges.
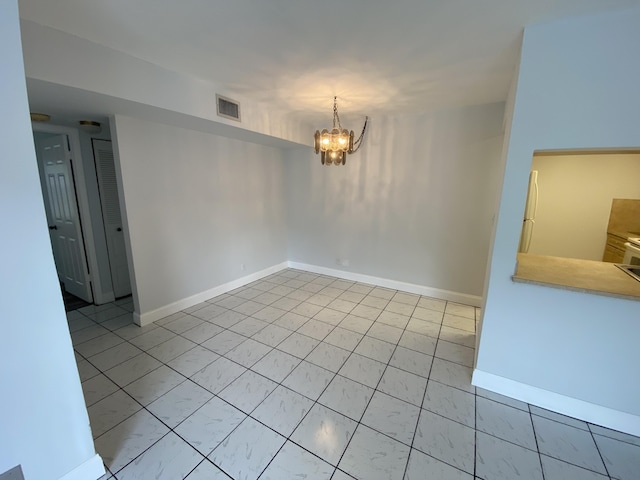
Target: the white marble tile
(330, 316)
(112, 311)
(382, 292)
(342, 338)
(320, 300)
(177, 404)
(342, 304)
(115, 356)
(505, 422)
(496, 397)
(606, 432)
(129, 439)
(276, 365)
(402, 313)
(266, 298)
(428, 315)
(228, 318)
(423, 327)
(110, 411)
(300, 296)
(363, 288)
(281, 289)
(461, 337)
(574, 422)
(248, 352)
(168, 459)
(80, 323)
(248, 308)
(363, 370)
(167, 351)
(193, 361)
(307, 309)
(285, 303)
(557, 470)
(271, 335)
(217, 375)
(385, 332)
(229, 301)
(207, 471)
(209, 425)
(133, 330)
(291, 321)
(622, 459)
(325, 433)
(407, 298)
(269, 314)
(151, 339)
(446, 440)
(346, 397)
(376, 349)
(403, 385)
(432, 303)
(352, 296)
(356, 324)
(500, 460)
(249, 326)
(451, 403)
(154, 384)
(412, 361)
(417, 342)
(248, 391)
(298, 345)
(248, 450)
(118, 322)
(132, 369)
(86, 370)
(308, 380)
(315, 329)
(209, 312)
(224, 342)
(392, 416)
(98, 344)
(331, 291)
(342, 284)
(467, 324)
(423, 467)
(88, 333)
(372, 302)
(328, 356)
(567, 443)
(455, 353)
(460, 310)
(97, 388)
(282, 410)
(373, 456)
(183, 323)
(340, 475)
(202, 332)
(295, 463)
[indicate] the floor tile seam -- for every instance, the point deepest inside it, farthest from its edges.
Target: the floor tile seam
(605, 475)
(611, 437)
(457, 388)
(535, 437)
(587, 430)
(458, 329)
(104, 372)
(510, 441)
(114, 473)
(604, 464)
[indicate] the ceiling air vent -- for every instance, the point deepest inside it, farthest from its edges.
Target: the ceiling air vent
(228, 108)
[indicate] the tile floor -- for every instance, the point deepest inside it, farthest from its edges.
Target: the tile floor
(306, 376)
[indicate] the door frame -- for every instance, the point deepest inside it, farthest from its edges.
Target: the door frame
(86, 224)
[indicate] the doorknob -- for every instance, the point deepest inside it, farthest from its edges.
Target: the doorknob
(55, 227)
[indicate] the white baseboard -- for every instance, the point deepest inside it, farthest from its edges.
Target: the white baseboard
(89, 470)
(150, 317)
(572, 407)
(448, 295)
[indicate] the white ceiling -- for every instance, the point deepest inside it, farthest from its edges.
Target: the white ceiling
(376, 56)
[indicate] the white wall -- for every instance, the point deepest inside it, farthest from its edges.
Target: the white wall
(575, 201)
(577, 88)
(43, 418)
(197, 207)
(415, 204)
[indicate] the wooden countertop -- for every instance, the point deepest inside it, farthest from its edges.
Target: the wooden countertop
(588, 276)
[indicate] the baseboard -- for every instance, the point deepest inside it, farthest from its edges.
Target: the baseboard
(89, 470)
(572, 407)
(448, 295)
(150, 317)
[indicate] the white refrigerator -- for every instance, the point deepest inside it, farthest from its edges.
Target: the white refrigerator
(530, 209)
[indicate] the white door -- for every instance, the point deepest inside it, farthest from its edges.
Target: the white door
(108, 187)
(56, 166)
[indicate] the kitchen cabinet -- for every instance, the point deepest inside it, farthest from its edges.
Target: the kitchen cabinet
(614, 249)
(624, 222)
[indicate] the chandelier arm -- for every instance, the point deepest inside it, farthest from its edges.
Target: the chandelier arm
(358, 142)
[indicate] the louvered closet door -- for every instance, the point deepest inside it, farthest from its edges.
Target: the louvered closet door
(108, 187)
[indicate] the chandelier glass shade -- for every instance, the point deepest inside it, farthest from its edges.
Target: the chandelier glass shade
(334, 145)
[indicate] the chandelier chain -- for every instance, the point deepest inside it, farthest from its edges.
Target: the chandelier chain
(335, 113)
(358, 142)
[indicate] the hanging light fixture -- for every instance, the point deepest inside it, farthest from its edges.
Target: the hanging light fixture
(334, 145)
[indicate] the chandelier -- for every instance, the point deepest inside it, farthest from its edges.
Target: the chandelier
(334, 145)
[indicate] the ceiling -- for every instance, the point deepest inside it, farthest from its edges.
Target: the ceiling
(378, 57)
